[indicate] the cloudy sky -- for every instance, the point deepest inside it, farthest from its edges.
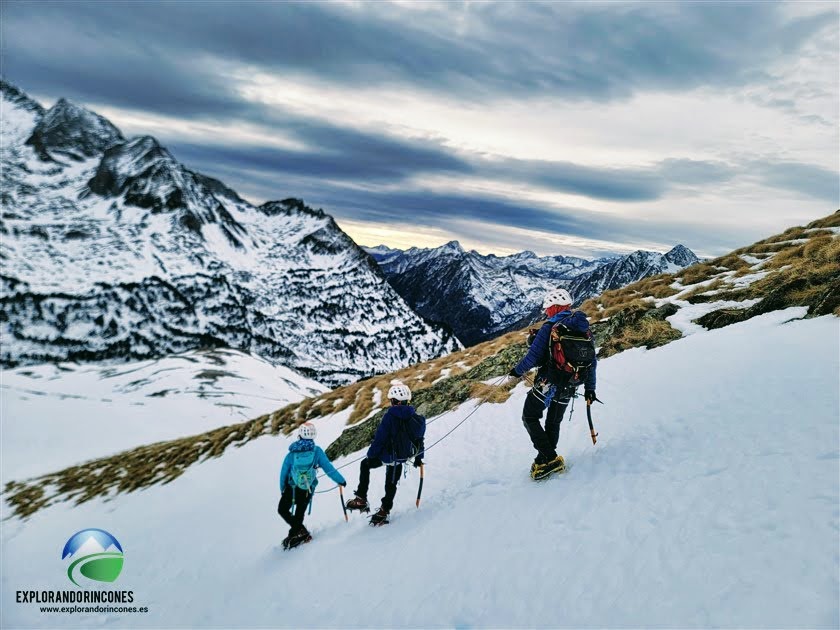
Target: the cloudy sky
(576, 128)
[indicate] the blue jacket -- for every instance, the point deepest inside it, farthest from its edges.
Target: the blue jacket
(399, 436)
(321, 461)
(539, 352)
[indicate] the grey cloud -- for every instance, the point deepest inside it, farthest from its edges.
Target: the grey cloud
(695, 172)
(806, 179)
(343, 154)
(599, 183)
(359, 157)
(380, 160)
(573, 51)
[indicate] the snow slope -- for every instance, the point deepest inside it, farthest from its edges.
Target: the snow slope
(57, 415)
(710, 500)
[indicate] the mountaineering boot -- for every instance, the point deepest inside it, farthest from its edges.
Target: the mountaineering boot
(380, 518)
(557, 465)
(539, 461)
(289, 536)
(300, 537)
(358, 503)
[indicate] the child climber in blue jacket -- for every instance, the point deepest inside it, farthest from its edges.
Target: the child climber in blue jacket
(298, 479)
(399, 437)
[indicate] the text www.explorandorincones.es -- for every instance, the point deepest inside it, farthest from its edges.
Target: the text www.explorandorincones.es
(94, 609)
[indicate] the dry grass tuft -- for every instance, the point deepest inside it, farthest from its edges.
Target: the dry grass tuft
(692, 295)
(832, 220)
(790, 234)
(648, 333)
(698, 273)
(362, 405)
(490, 393)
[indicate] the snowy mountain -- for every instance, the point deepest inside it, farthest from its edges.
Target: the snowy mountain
(380, 251)
(481, 297)
(114, 251)
(618, 272)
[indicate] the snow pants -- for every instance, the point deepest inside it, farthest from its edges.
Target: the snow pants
(544, 440)
(392, 478)
(292, 495)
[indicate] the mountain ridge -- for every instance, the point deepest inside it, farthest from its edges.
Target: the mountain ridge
(482, 296)
(113, 250)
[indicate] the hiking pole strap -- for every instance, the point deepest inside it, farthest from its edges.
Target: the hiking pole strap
(343, 506)
(420, 488)
(589, 417)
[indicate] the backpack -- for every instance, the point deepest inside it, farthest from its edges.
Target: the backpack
(572, 349)
(402, 445)
(303, 469)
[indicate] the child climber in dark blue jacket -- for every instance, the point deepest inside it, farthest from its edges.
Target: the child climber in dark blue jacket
(400, 437)
(298, 479)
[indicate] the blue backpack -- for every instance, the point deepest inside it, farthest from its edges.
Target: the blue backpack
(303, 468)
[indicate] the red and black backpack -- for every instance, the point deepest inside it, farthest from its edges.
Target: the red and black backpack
(571, 347)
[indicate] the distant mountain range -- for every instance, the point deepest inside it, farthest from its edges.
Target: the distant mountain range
(113, 250)
(481, 297)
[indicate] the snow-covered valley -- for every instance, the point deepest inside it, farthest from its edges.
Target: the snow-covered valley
(57, 415)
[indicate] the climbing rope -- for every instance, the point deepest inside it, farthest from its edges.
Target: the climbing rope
(497, 382)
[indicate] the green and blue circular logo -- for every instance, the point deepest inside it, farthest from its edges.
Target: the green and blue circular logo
(95, 554)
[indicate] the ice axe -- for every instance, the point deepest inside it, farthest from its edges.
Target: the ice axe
(343, 506)
(420, 488)
(589, 417)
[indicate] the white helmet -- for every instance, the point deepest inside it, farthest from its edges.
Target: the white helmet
(399, 391)
(559, 297)
(307, 431)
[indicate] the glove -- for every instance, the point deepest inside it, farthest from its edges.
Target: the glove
(510, 379)
(343, 485)
(417, 461)
(589, 396)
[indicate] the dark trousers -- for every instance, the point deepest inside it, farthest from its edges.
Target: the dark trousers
(544, 440)
(298, 497)
(392, 478)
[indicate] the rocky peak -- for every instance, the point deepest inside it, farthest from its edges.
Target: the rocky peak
(18, 97)
(69, 131)
(124, 164)
(682, 256)
(452, 247)
(288, 207)
(146, 175)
